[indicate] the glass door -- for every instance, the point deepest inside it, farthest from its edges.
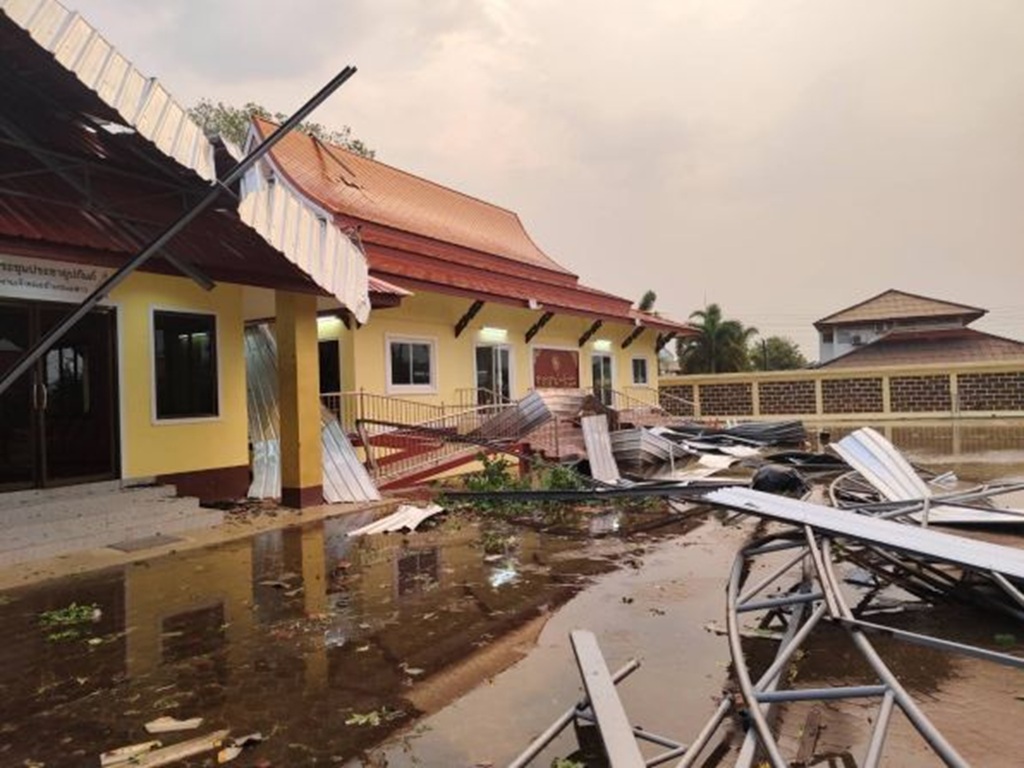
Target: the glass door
(58, 420)
(602, 367)
(17, 416)
(77, 400)
(493, 375)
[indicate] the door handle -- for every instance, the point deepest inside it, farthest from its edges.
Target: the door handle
(40, 396)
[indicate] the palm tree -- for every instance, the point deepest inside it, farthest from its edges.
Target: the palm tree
(647, 301)
(720, 345)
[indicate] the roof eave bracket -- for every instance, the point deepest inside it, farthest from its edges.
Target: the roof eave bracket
(464, 321)
(535, 328)
(590, 332)
(633, 336)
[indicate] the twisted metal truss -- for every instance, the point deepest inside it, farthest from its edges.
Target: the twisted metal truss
(804, 593)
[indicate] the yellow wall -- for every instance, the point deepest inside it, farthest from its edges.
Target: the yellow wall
(149, 447)
(434, 316)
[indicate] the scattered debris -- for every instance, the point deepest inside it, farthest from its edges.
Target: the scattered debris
(895, 480)
(122, 755)
(234, 747)
(167, 724)
(406, 517)
(773, 478)
(70, 622)
(808, 737)
(374, 717)
(181, 751)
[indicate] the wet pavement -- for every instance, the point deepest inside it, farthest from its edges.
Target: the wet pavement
(322, 643)
(449, 647)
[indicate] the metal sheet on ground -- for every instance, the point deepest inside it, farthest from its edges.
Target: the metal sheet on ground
(616, 732)
(979, 555)
(882, 465)
(599, 449)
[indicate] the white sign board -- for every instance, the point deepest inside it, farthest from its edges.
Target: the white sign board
(48, 280)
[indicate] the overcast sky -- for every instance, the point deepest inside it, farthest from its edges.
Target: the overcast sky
(784, 158)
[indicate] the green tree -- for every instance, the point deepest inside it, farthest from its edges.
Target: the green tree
(232, 123)
(776, 353)
(720, 345)
(647, 301)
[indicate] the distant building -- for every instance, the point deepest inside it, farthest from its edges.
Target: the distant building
(898, 328)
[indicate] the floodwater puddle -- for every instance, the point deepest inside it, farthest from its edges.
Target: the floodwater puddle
(449, 646)
(321, 642)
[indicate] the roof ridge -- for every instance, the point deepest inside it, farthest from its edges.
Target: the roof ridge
(908, 294)
(396, 169)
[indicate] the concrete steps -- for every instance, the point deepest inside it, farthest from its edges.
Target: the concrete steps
(39, 524)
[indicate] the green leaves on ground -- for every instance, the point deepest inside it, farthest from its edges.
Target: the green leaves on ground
(69, 622)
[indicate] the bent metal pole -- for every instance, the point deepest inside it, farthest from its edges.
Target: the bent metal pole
(57, 332)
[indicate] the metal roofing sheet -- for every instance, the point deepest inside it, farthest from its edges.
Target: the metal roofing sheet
(971, 553)
(384, 287)
(599, 449)
(307, 236)
(344, 476)
(141, 101)
(882, 465)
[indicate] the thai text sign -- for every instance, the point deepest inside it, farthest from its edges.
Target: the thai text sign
(556, 368)
(47, 280)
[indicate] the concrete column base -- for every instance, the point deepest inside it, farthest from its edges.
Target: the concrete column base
(300, 498)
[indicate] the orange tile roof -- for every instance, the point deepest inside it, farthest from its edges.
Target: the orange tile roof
(422, 236)
(345, 182)
(951, 345)
(893, 305)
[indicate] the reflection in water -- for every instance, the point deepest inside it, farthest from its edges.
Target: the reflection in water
(950, 440)
(289, 633)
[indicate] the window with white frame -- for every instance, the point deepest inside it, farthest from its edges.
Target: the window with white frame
(639, 370)
(185, 365)
(411, 365)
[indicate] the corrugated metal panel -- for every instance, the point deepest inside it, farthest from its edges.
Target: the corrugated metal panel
(980, 555)
(384, 287)
(895, 479)
(307, 237)
(881, 465)
(344, 477)
(599, 449)
(264, 417)
(142, 101)
(406, 517)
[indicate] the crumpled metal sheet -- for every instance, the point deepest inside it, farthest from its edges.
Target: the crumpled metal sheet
(307, 236)
(345, 479)
(141, 101)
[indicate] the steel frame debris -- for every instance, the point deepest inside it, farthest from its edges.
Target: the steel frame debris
(156, 245)
(818, 585)
(804, 591)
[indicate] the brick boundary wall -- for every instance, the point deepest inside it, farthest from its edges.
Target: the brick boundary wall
(911, 394)
(969, 390)
(727, 399)
(684, 392)
(852, 395)
(991, 391)
(787, 397)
